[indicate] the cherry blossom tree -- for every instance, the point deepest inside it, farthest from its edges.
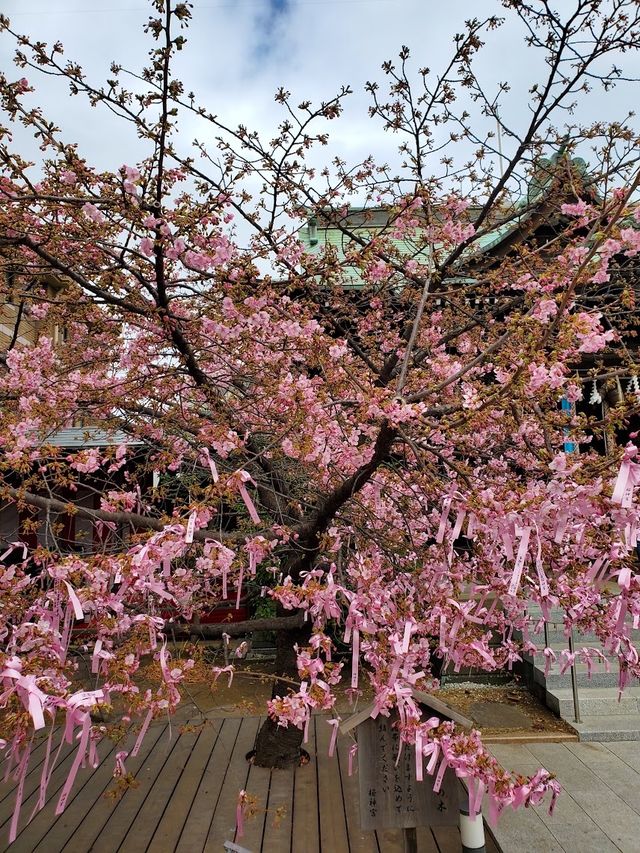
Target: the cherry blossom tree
(392, 458)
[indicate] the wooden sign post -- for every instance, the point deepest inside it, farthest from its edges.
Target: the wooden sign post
(390, 795)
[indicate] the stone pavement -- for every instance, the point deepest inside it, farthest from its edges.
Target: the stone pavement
(599, 809)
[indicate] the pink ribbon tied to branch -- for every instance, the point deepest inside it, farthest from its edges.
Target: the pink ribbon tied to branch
(241, 478)
(241, 802)
(12, 547)
(25, 686)
(520, 560)
(423, 749)
(218, 670)
(119, 771)
(75, 601)
(206, 456)
(191, 527)
(353, 752)
(334, 722)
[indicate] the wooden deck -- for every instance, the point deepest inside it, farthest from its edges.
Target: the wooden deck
(185, 801)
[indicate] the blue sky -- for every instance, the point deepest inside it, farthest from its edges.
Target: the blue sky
(267, 26)
(278, 7)
(240, 51)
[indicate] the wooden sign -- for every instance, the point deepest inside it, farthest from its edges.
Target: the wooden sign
(390, 795)
(446, 712)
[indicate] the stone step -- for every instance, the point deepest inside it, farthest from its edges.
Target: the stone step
(609, 727)
(561, 645)
(594, 701)
(555, 626)
(557, 636)
(538, 661)
(557, 632)
(476, 676)
(599, 678)
(557, 640)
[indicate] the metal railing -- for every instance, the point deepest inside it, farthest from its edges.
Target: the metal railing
(574, 674)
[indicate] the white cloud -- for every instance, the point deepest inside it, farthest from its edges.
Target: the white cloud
(238, 53)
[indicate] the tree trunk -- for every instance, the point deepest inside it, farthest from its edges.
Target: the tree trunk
(277, 746)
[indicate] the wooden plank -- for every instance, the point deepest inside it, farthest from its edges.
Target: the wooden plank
(169, 829)
(390, 841)
(99, 813)
(257, 787)
(420, 696)
(441, 708)
(333, 824)
(223, 826)
(490, 842)
(355, 719)
(279, 821)
(157, 797)
(32, 782)
(57, 781)
(52, 833)
(126, 809)
(195, 831)
(36, 759)
(426, 840)
(447, 838)
(306, 826)
(359, 841)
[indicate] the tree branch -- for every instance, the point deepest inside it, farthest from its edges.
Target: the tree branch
(132, 518)
(235, 629)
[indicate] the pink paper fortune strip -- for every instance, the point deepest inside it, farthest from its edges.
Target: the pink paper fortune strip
(44, 774)
(406, 638)
(353, 751)
(212, 465)
(443, 521)
(191, 528)
(242, 478)
(419, 756)
(334, 722)
(239, 593)
(441, 770)
(22, 773)
(355, 658)
(542, 578)
(75, 601)
(141, 734)
(240, 814)
(561, 527)
(628, 478)
(244, 494)
(520, 558)
(77, 761)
